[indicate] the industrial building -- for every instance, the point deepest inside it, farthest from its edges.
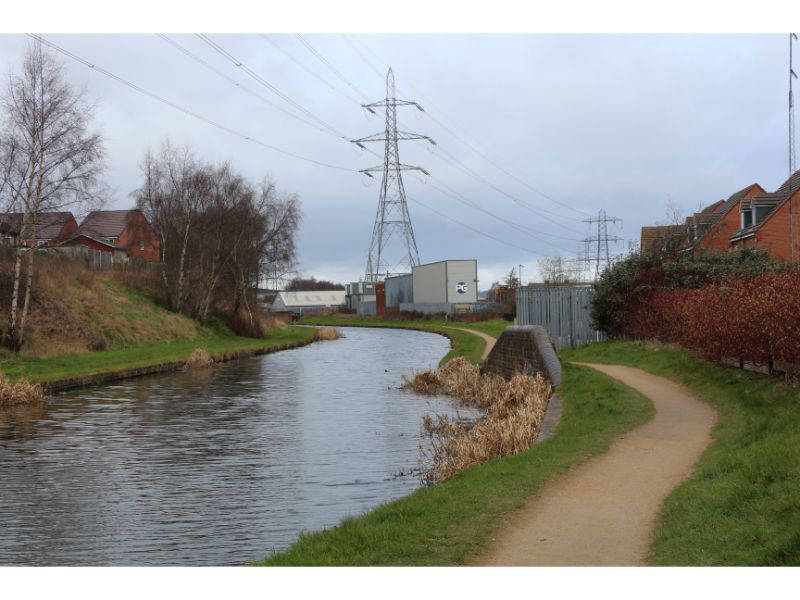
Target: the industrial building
(311, 301)
(360, 297)
(447, 286)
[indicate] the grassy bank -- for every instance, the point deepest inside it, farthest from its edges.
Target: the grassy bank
(742, 504)
(53, 368)
(449, 523)
(463, 343)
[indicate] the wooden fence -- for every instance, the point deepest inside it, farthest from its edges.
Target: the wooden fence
(562, 310)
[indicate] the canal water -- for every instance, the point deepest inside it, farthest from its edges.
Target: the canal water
(215, 467)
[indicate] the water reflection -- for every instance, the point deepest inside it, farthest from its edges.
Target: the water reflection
(214, 467)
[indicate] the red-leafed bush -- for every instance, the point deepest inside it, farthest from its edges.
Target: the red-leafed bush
(755, 318)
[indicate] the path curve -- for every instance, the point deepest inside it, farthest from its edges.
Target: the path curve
(490, 341)
(603, 511)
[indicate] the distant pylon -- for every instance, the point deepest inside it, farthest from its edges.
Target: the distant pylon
(602, 255)
(392, 212)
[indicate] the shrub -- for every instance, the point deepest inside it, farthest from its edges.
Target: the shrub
(625, 289)
(753, 318)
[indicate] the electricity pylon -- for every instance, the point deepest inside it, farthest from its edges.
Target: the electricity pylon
(602, 254)
(392, 212)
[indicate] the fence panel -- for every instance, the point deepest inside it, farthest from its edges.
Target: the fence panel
(562, 310)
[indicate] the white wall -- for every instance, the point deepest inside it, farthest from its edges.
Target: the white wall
(430, 283)
(462, 275)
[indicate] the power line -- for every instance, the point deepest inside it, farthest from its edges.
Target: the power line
(464, 141)
(459, 197)
(213, 69)
(255, 76)
(330, 66)
(175, 106)
(311, 72)
(521, 228)
(472, 173)
(478, 231)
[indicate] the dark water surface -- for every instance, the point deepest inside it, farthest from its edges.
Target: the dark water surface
(215, 467)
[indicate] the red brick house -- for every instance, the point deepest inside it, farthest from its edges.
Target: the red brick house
(662, 239)
(715, 230)
(118, 232)
(51, 228)
(771, 221)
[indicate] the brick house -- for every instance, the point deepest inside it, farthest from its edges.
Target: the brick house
(662, 239)
(713, 231)
(765, 221)
(51, 228)
(118, 232)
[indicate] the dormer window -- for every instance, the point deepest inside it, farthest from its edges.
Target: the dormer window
(762, 212)
(141, 244)
(747, 218)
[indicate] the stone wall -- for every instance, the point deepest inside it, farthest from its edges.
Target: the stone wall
(524, 349)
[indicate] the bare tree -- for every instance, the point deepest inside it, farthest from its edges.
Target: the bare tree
(557, 270)
(219, 233)
(51, 160)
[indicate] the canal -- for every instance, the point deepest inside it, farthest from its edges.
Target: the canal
(219, 466)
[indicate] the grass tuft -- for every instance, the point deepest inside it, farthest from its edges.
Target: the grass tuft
(327, 333)
(20, 392)
(199, 359)
(514, 412)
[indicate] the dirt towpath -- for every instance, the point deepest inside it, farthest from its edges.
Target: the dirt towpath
(603, 511)
(490, 341)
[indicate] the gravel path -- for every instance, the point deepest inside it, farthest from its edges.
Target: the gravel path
(603, 511)
(490, 341)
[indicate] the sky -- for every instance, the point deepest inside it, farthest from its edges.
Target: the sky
(535, 133)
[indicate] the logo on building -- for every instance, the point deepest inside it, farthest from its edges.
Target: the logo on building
(461, 287)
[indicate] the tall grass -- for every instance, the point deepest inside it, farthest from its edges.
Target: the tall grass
(21, 392)
(327, 333)
(199, 359)
(514, 413)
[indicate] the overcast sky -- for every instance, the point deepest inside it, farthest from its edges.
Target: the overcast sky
(621, 123)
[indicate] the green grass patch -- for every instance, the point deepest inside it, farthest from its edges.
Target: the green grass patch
(463, 343)
(447, 524)
(62, 367)
(741, 506)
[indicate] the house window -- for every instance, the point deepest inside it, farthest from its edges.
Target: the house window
(762, 212)
(141, 244)
(747, 218)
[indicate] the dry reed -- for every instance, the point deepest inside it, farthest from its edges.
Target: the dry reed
(514, 413)
(22, 392)
(199, 359)
(327, 333)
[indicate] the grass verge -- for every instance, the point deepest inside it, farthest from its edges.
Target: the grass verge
(463, 343)
(449, 523)
(43, 370)
(742, 504)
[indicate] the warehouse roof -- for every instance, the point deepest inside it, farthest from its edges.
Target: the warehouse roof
(311, 298)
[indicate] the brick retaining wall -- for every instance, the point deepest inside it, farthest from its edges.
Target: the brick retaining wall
(524, 349)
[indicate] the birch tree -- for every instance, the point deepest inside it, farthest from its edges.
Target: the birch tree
(52, 160)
